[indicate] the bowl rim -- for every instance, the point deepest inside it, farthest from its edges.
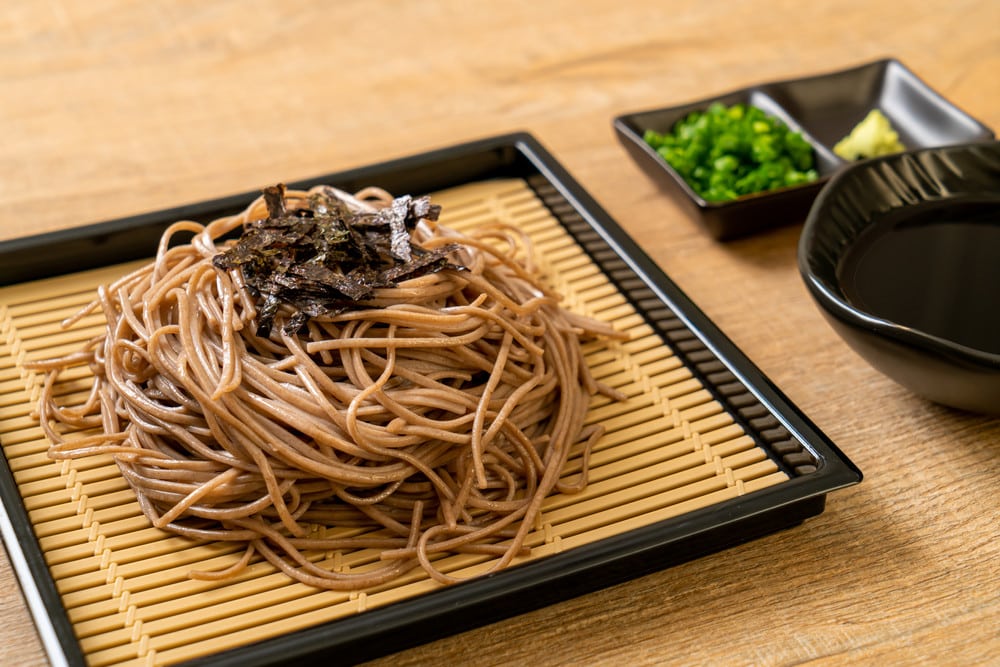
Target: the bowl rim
(837, 306)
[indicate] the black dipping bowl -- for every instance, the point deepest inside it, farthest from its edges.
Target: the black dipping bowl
(943, 179)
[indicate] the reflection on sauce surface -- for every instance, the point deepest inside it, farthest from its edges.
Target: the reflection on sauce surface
(933, 267)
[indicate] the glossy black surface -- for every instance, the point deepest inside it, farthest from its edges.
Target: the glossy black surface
(824, 108)
(902, 254)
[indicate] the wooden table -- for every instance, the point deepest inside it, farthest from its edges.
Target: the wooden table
(112, 108)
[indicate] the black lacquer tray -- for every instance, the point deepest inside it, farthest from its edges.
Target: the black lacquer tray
(710, 455)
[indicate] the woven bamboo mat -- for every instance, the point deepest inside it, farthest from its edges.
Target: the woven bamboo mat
(669, 449)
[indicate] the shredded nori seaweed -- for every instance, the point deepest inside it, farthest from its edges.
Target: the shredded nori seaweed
(323, 258)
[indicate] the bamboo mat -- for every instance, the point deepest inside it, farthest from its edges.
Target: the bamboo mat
(669, 449)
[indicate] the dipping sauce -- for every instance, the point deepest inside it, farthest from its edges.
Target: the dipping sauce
(933, 267)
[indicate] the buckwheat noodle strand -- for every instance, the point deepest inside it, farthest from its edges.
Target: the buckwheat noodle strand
(432, 421)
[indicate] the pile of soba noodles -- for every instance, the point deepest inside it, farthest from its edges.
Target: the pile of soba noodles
(330, 372)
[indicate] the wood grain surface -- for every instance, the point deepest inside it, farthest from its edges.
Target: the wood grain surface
(113, 107)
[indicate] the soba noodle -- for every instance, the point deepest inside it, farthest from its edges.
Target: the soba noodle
(432, 421)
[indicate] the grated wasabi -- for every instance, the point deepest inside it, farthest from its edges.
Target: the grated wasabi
(872, 137)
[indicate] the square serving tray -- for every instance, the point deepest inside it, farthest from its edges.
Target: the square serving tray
(707, 453)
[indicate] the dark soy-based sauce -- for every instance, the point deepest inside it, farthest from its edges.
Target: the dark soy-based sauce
(932, 267)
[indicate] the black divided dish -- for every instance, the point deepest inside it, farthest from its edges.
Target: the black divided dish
(825, 108)
(902, 256)
(814, 464)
